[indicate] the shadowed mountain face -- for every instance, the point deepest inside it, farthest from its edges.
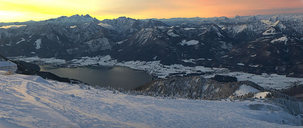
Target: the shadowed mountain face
(257, 44)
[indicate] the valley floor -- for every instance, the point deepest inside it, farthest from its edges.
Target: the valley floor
(30, 101)
(155, 68)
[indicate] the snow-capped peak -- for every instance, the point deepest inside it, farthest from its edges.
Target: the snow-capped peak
(73, 19)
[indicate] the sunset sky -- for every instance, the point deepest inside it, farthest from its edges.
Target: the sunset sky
(24, 10)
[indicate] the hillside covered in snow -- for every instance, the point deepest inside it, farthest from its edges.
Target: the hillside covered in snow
(30, 101)
(206, 72)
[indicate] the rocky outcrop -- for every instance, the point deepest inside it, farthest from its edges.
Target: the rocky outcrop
(26, 68)
(197, 87)
(194, 87)
(295, 91)
(222, 78)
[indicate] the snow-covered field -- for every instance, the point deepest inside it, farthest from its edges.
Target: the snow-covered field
(162, 71)
(30, 101)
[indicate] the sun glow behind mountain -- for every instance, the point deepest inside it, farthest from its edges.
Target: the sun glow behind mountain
(23, 10)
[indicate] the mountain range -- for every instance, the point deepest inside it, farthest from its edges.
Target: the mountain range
(255, 44)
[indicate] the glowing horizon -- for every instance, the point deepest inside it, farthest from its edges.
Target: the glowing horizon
(25, 10)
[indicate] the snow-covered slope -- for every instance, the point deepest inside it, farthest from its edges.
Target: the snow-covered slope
(30, 101)
(7, 66)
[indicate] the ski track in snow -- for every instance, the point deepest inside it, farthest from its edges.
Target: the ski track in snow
(31, 101)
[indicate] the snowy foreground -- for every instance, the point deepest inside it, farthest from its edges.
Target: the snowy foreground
(30, 101)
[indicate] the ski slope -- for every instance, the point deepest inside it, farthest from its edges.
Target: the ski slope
(30, 102)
